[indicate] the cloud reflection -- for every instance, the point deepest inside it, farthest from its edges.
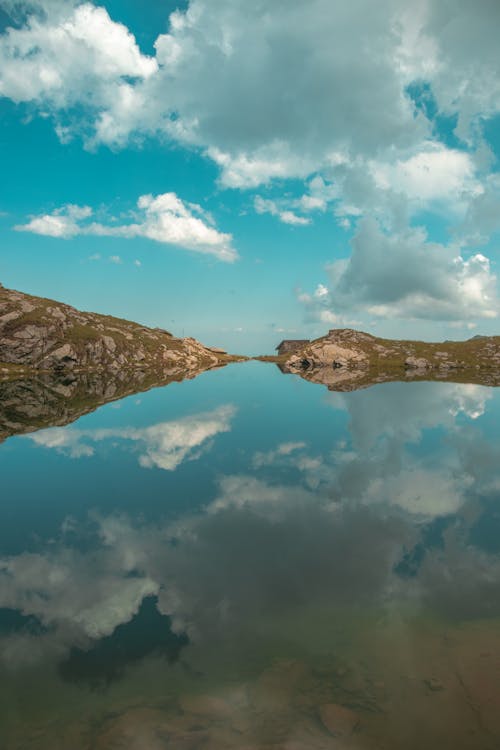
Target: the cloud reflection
(304, 529)
(164, 446)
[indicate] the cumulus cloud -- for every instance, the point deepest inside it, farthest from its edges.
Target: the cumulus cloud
(71, 55)
(163, 218)
(164, 446)
(465, 73)
(333, 97)
(63, 222)
(318, 92)
(404, 275)
(331, 83)
(433, 173)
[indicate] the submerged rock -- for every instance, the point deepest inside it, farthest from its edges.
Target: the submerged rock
(339, 720)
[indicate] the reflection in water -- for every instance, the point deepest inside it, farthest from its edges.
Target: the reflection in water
(58, 399)
(347, 379)
(164, 445)
(335, 585)
(148, 632)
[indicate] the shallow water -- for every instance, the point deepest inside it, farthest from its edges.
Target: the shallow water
(247, 560)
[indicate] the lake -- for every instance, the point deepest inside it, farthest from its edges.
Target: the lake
(249, 560)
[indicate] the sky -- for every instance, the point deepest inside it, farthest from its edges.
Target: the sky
(247, 172)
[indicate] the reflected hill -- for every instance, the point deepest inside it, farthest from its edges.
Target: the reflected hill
(345, 379)
(55, 400)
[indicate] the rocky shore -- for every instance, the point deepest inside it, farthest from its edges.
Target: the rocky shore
(44, 335)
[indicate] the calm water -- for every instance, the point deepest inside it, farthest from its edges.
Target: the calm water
(247, 560)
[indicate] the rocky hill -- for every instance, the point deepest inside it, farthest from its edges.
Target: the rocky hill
(345, 356)
(40, 334)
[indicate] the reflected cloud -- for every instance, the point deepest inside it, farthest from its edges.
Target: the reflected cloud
(403, 410)
(377, 518)
(81, 592)
(270, 457)
(164, 446)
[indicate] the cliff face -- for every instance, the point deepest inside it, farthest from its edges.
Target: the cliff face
(41, 334)
(353, 354)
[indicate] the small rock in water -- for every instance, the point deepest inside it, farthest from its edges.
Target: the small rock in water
(339, 720)
(434, 684)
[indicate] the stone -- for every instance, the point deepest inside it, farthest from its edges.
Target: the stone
(63, 351)
(109, 343)
(339, 720)
(417, 363)
(434, 684)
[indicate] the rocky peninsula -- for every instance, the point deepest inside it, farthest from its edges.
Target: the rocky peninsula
(41, 335)
(346, 359)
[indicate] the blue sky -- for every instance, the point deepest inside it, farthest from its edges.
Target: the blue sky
(248, 172)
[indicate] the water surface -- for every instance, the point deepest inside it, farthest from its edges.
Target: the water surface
(247, 560)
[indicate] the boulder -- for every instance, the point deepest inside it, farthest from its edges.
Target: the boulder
(339, 720)
(417, 363)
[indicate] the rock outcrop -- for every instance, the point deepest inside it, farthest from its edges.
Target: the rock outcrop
(357, 353)
(41, 334)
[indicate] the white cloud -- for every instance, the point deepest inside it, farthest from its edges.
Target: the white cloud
(115, 259)
(482, 217)
(318, 93)
(404, 275)
(164, 218)
(331, 82)
(68, 56)
(63, 222)
(465, 76)
(301, 89)
(434, 173)
(297, 210)
(265, 206)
